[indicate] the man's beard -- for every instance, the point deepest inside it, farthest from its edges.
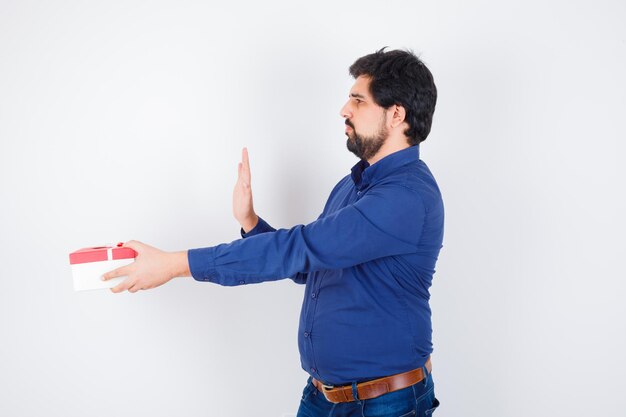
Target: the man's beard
(365, 147)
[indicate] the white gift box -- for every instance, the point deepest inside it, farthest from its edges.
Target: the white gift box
(89, 264)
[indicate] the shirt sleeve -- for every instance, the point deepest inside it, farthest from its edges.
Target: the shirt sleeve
(263, 227)
(386, 221)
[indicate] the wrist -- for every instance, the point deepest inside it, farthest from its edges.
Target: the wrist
(250, 223)
(180, 264)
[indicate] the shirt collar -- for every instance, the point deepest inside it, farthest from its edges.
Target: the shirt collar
(363, 174)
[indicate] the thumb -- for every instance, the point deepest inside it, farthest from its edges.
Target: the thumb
(135, 245)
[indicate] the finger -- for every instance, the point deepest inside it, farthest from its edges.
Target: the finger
(119, 272)
(246, 158)
(239, 169)
(134, 288)
(246, 166)
(124, 285)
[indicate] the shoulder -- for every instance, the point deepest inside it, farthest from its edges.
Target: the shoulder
(414, 180)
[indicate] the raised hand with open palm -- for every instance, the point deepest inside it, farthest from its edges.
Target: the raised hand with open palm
(243, 208)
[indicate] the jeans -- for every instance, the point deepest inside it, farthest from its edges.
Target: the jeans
(416, 401)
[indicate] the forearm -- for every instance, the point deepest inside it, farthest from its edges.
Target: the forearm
(262, 226)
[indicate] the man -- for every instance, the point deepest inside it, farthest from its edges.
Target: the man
(367, 261)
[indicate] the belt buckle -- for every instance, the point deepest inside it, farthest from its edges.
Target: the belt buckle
(327, 387)
(326, 391)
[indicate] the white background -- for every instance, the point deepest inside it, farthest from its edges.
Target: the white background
(125, 120)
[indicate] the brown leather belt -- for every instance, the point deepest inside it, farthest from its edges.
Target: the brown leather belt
(374, 388)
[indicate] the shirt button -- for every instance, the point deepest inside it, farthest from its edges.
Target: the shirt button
(242, 282)
(313, 295)
(306, 334)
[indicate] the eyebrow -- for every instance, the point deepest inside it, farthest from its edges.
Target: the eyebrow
(357, 95)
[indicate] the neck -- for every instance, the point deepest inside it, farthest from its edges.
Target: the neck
(389, 147)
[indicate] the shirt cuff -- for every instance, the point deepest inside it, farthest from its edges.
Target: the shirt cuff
(201, 263)
(261, 227)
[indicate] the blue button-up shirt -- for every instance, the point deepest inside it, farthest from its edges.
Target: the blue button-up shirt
(367, 262)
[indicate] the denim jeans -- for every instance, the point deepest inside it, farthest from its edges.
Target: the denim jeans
(416, 401)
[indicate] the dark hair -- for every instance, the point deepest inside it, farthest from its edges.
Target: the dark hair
(399, 77)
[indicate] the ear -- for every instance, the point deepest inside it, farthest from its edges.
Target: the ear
(398, 115)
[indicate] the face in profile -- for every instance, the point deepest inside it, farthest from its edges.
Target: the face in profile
(365, 121)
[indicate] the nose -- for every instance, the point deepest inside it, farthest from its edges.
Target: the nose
(346, 111)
